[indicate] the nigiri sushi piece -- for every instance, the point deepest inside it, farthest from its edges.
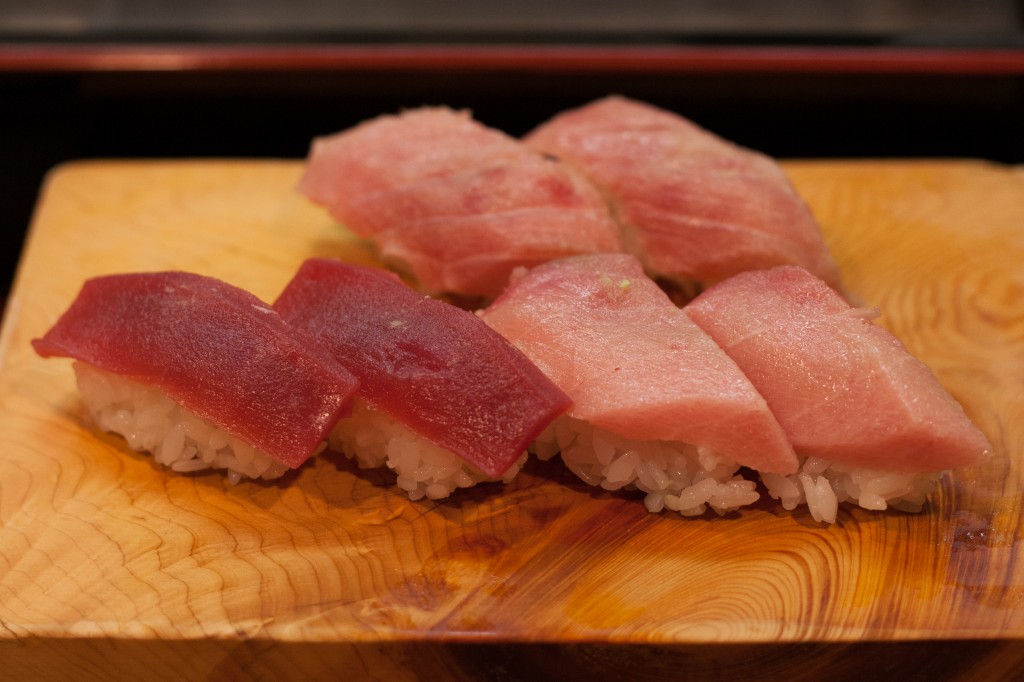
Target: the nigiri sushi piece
(199, 373)
(657, 405)
(695, 208)
(870, 422)
(443, 400)
(453, 203)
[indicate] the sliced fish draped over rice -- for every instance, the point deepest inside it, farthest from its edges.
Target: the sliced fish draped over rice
(694, 208)
(870, 422)
(657, 405)
(200, 373)
(454, 203)
(443, 399)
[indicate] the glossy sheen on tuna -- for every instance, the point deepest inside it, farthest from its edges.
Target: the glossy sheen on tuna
(215, 349)
(435, 368)
(692, 206)
(634, 363)
(454, 203)
(843, 388)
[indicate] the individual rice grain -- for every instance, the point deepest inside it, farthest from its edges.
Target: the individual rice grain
(823, 486)
(675, 476)
(150, 421)
(373, 439)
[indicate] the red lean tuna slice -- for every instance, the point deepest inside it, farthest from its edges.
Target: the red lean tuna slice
(456, 204)
(692, 206)
(433, 367)
(843, 388)
(633, 363)
(215, 349)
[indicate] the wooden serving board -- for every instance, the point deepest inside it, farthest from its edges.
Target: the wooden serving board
(110, 563)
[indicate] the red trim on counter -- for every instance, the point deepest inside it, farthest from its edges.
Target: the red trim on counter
(535, 58)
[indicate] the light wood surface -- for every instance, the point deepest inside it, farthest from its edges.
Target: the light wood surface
(109, 563)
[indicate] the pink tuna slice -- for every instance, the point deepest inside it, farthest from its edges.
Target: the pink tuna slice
(633, 363)
(215, 349)
(454, 203)
(692, 206)
(844, 388)
(433, 367)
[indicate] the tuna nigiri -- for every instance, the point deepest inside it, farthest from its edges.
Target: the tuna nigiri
(870, 422)
(693, 207)
(454, 203)
(656, 404)
(200, 373)
(443, 400)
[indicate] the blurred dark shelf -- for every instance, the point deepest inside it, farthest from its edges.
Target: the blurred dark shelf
(936, 22)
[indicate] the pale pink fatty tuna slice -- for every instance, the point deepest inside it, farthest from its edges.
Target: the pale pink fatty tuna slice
(436, 369)
(215, 349)
(633, 363)
(844, 388)
(693, 206)
(454, 203)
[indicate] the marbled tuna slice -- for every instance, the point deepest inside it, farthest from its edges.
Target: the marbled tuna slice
(633, 363)
(843, 388)
(692, 206)
(432, 367)
(216, 350)
(454, 203)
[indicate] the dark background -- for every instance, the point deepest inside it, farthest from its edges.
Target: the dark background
(60, 110)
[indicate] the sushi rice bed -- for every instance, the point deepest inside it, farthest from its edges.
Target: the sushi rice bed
(675, 476)
(424, 469)
(151, 421)
(823, 485)
(689, 480)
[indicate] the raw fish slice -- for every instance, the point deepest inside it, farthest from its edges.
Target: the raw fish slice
(216, 350)
(843, 388)
(454, 203)
(394, 151)
(693, 207)
(434, 368)
(465, 234)
(633, 363)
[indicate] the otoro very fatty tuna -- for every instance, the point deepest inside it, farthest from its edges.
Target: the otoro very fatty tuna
(693, 207)
(656, 404)
(444, 401)
(454, 203)
(871, 423)
(200, 373)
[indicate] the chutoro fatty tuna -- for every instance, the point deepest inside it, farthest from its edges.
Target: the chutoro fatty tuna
(200, 373)
(443, 400)
(656, 404)
(454, 203)
(870, 422)
(693, 207)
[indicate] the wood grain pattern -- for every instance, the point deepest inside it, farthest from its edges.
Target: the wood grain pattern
(105, 557)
